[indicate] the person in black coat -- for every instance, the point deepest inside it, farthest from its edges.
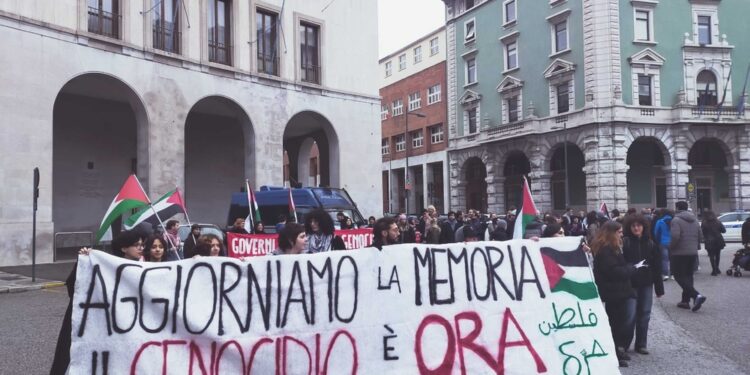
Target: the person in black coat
(712, 230)
(448, 229)
(746, 232)
(638, 247)
(612, 276)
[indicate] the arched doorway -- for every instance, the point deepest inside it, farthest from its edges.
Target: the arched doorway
(475, 174)
(100, 129)
(312, 149)
(516, 167)
(576, 185)
(647, 184)
(218, 157)
(708, 171)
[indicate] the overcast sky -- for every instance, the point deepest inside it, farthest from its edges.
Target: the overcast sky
(401, 22)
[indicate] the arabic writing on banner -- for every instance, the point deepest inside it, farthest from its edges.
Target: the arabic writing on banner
(516, 307)
(250, 245)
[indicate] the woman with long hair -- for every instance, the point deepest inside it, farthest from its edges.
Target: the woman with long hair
(639, 247)
(320, 232)
(612, 275)
(209, 245)
(712, 236)
(155, 248)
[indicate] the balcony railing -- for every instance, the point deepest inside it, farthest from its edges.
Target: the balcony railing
(311, 74)
(167, 39)
(268, 63)
(104, 23)
(714, 111)
(219, 53)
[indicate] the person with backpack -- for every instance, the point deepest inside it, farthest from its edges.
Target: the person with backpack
(714, 240)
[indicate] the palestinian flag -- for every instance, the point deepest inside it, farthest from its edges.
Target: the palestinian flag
(568, 271)
(292, 208)
(131, 196)
(527, 213)
(253, 214)
(168, 205)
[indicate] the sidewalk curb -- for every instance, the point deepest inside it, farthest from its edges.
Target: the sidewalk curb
(27, 288)
(53, 284)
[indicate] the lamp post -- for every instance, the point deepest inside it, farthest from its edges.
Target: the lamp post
(406, 140)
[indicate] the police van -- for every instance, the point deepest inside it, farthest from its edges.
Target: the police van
(274, 202)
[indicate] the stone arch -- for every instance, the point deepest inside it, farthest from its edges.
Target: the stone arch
(550, 142)
(99, 137)
(516, 164)
(661, 136)
(711, 170)
(573, 192)
(647, 177)
(474, 174)
(219, 156)
(309, 125)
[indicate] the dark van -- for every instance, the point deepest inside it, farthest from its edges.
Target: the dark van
(274, 201)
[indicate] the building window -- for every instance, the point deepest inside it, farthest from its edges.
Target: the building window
(511, 55)
(219, 32)
(384, 112)
(434, 46)
(510, 11)
(402, 62)
(706, 86)
(644, 90)
(385, 148)
(417, 54)
(512, 105)
(471, 71)
(643, 25)
(436, 134)
(309, 52)
(468, 4)
(417, 139)
(563, 97)
(104, 17)
(398, 107)
(704, 30)
(471, 119)
(166, 25)
(400, 143)
(433, 94)
(470, 31)
(268, 42)
(415, 101)
(388, 69)
(561, 36)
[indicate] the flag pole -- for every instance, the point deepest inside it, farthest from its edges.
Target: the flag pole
(187, 217)
(249, 206)
(157, 215)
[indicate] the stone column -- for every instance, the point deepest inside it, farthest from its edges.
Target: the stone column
(734, 182)
(680, 161)
(457, 187)
(540, 180)
(426, 179)
(606, 168)
(670, 175)
(743, 173)
(496, 194)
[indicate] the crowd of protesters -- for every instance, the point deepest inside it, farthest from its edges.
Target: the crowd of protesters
(631, 255)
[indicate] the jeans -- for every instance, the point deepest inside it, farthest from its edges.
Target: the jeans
(682, 269)
(616, 313)
(637, 316)
(664, 260)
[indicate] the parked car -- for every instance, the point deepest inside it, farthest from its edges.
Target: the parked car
(184, 231)
(733, 223)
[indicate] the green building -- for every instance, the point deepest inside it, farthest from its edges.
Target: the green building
(622, 102)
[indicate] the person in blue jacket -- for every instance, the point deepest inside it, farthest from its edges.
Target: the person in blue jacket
(663, 237)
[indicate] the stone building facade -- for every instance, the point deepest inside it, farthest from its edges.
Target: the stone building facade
(198, 94)
(621, 102)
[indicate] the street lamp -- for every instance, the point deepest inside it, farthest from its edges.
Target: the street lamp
(406, 170)
(565, 160)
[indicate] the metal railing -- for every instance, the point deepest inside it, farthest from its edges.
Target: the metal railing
(310, 73)
(219, 53)
(714, 111)
(67, 244)
(268, 63)
(166, 38)
(104, 23)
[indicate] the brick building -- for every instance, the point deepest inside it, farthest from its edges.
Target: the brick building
(414, 134)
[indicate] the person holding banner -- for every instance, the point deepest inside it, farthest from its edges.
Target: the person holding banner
(292, 240)
(612, 275)
(155, 250)
(320, 233)
(210, 245)
(128, 245)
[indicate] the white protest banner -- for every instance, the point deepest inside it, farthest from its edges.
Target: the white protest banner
(517, 307)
